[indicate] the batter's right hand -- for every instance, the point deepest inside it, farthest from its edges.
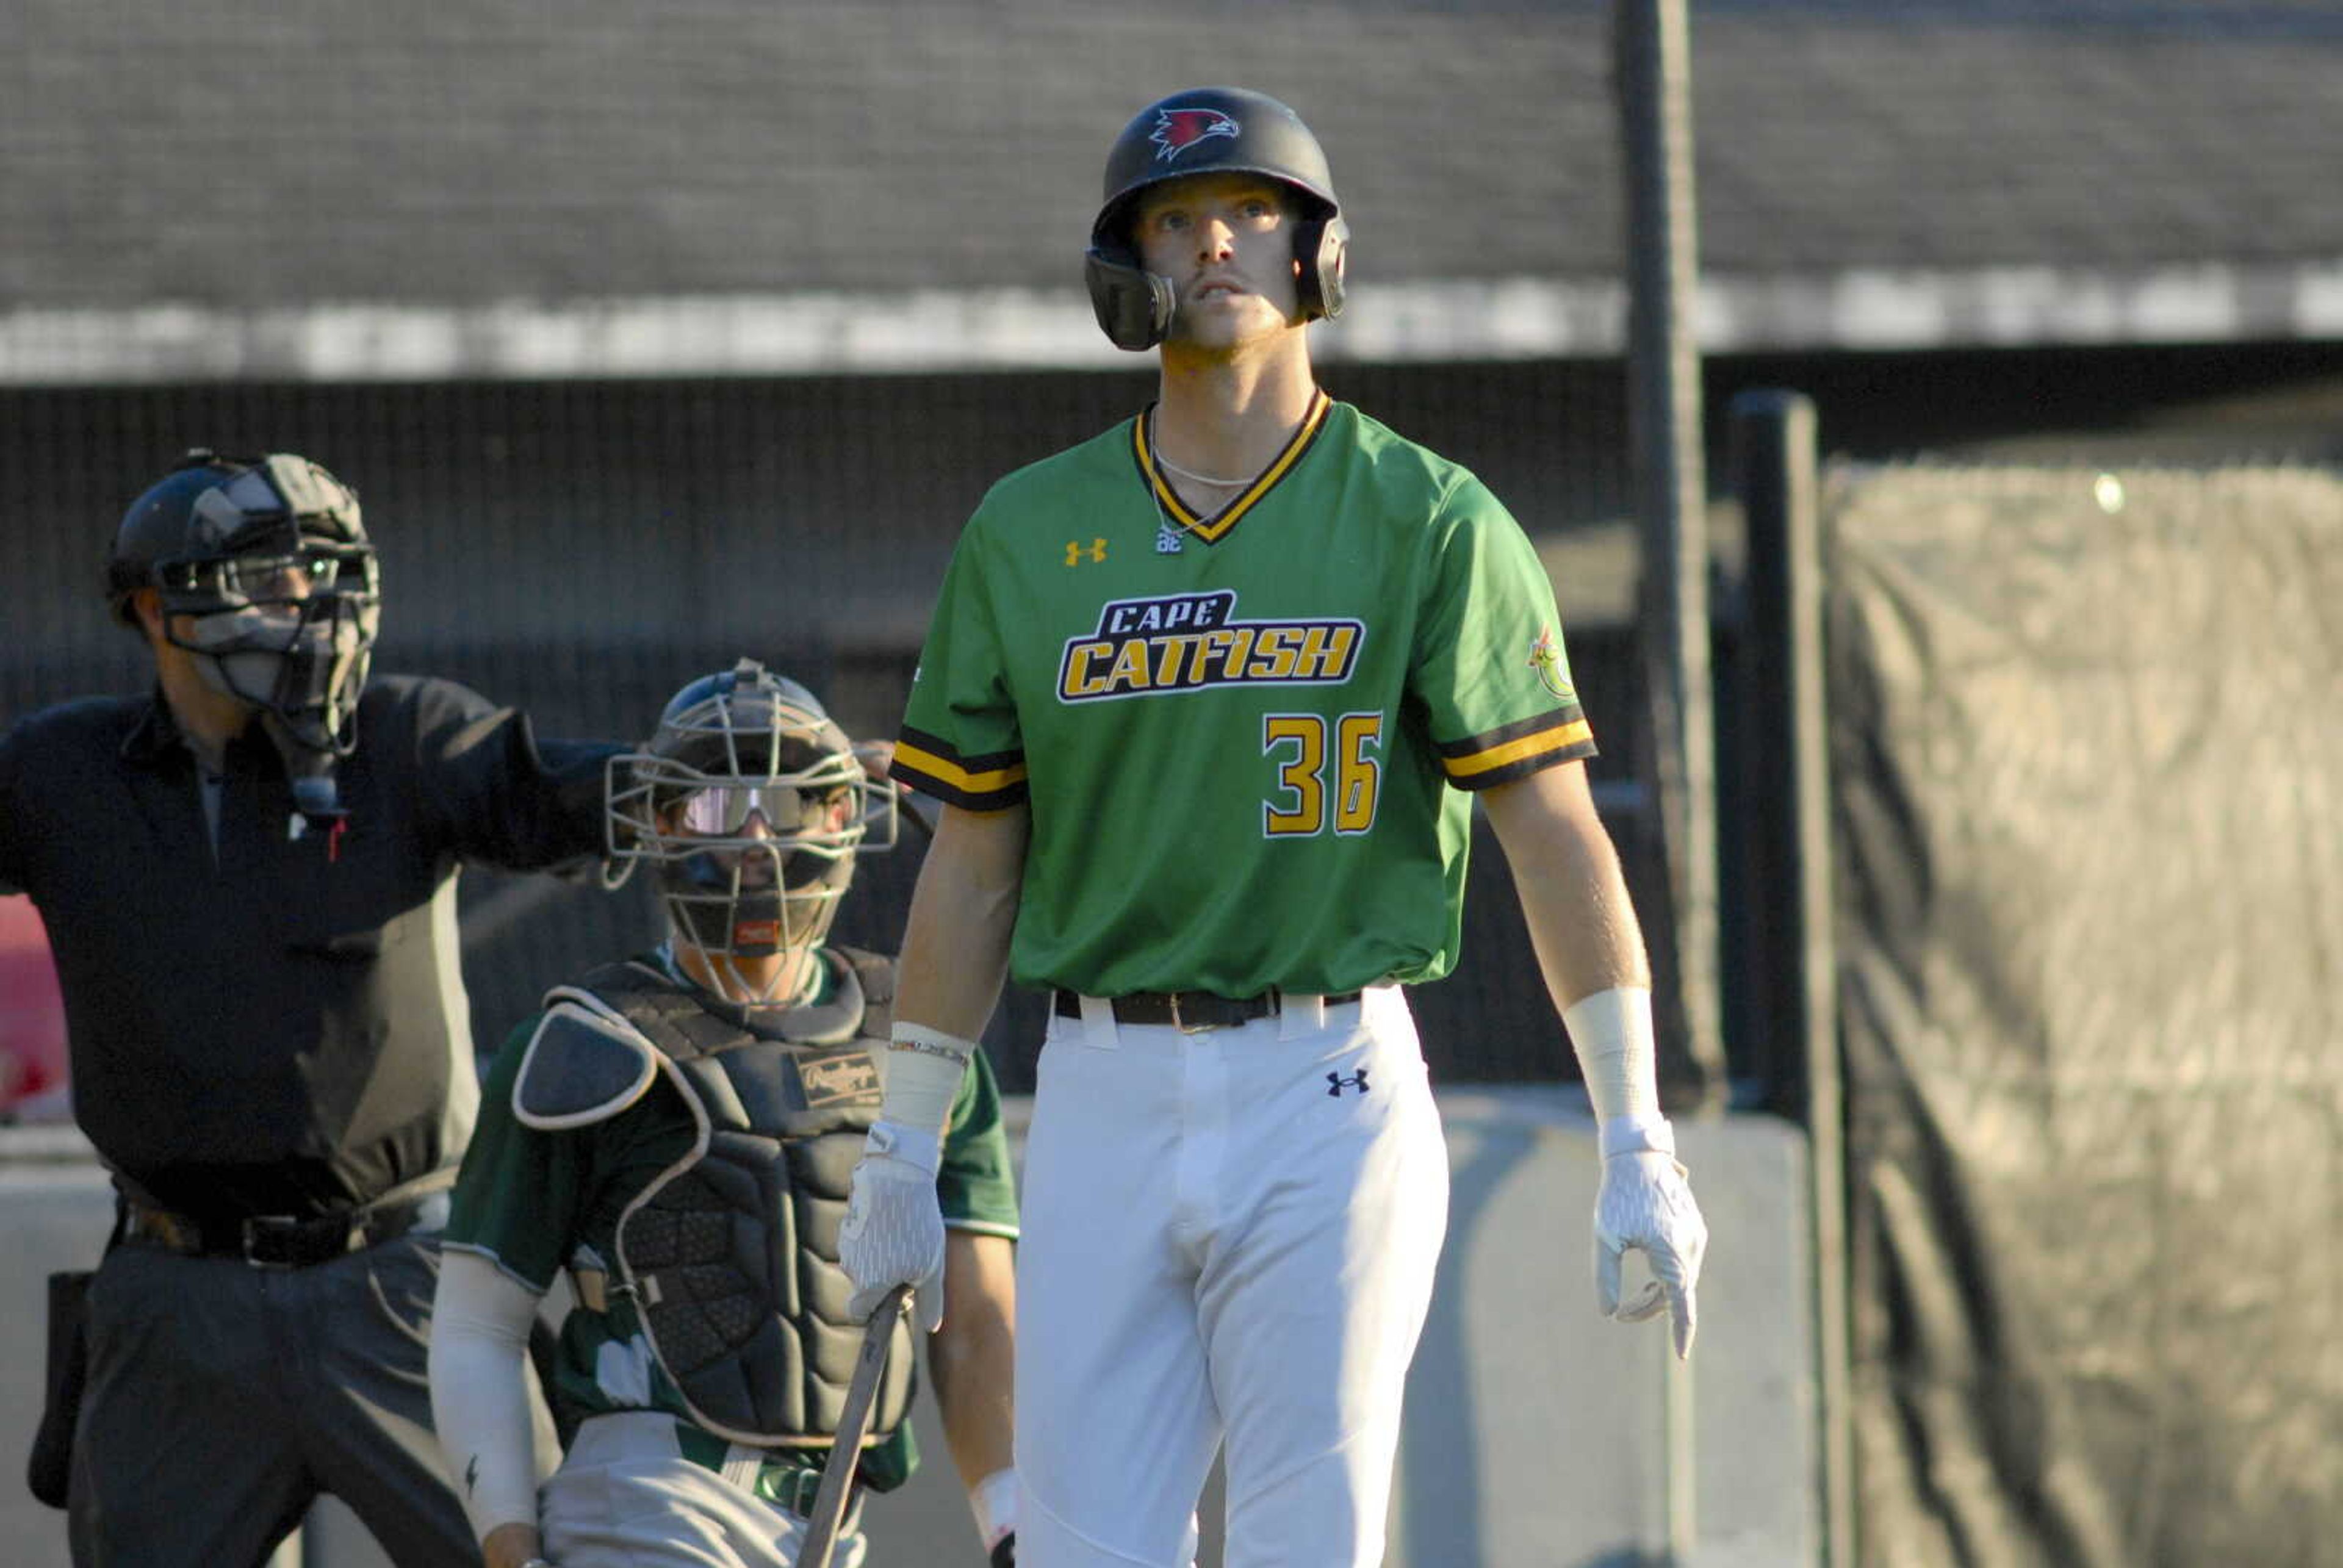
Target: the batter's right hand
(894, 1231)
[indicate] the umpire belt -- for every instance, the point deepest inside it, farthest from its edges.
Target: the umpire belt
(284, 1241)
(1190, 1010)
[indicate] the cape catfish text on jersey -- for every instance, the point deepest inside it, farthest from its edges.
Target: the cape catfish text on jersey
(1185, 642)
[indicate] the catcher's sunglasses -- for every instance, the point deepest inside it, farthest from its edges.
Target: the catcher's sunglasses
(723, 808)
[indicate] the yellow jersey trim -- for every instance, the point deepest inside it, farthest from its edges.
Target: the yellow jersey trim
(1562, 739)
(926, 764)
(1213, 530)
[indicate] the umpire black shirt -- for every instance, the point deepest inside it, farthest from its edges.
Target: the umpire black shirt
(280, 1027)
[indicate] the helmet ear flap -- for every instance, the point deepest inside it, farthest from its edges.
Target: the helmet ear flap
(1133, 306)
(1321, 244)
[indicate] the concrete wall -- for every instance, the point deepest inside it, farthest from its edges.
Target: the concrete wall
(1538, 1436)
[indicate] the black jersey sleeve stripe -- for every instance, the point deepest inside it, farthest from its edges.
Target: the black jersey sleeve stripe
(1521, 767)
(1517, 751)
(988, 783)
(1561, 718)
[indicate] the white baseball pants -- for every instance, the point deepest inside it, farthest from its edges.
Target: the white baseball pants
(1230, 1236)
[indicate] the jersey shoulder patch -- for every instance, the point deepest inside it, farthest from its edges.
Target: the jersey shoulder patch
(583, 1065)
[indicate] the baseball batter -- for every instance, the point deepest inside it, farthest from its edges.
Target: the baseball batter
(1210, 699)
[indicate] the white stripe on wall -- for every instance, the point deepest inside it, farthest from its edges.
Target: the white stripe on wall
(890, 334)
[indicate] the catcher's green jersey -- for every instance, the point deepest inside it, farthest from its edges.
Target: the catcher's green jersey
(534, 1202)
(1243, 738)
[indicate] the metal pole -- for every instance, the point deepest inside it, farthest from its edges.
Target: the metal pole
(1652, 71)
(1774, 437)
(1653, 85)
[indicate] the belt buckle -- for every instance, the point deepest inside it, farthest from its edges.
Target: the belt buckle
(255, 1233)
(806, 1485)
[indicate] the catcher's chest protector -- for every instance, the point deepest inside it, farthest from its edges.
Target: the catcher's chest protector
(730, 1256)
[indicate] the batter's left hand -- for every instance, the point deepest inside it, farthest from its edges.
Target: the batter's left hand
(894, 1229)
(1004, 1552)
(1645, 1202)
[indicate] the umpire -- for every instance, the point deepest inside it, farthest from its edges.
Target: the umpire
(249, 878)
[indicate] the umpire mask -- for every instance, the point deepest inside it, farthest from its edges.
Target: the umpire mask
(266, 576)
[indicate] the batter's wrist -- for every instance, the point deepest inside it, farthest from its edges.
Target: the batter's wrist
(1610, 1031)
(912, 1145)
(923, 1073)
(1638, 1135)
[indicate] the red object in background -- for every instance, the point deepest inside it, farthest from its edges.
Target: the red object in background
(32, 1012)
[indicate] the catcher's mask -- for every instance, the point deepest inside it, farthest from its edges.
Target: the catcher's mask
(750, 804)
(266, 560)
(1210, 130)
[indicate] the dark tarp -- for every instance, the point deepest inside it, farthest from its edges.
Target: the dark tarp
(2087, 735)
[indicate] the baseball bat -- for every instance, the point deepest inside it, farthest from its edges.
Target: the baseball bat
(846, 1448)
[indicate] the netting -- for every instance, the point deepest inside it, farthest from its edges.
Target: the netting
(582, 549)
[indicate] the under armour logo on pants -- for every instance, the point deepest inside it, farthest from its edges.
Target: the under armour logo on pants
(1336, 1082)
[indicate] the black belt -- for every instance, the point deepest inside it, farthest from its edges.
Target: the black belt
(281, 1240)
(1191, 1010)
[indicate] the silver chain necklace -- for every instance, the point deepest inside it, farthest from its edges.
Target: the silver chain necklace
(1167, 528)
(1169, 466)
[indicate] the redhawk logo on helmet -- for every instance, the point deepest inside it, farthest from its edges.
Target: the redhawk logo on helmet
(1200, 131)
(1177, 130)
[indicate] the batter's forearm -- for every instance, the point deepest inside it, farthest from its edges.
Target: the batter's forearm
(1574, 894)
(963, 911)
(1582, 925)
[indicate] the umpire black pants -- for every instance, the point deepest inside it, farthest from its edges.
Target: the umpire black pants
(223, 1398)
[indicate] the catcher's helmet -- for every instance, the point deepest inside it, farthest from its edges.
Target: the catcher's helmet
(1210, 130)
(270, 558)
(750, 804)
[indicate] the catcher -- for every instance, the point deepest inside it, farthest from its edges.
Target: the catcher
(678, 1130)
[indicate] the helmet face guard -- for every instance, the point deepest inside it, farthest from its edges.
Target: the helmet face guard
(263, 573)
(1210, 130)
(749, 806)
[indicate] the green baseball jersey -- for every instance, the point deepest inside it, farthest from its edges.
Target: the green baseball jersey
(536, 1201)
(1245, 739)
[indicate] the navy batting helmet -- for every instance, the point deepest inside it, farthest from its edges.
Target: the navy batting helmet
(1210, 130)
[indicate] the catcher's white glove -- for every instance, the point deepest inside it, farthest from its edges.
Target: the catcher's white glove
(1645, 1200)
(894, 1229)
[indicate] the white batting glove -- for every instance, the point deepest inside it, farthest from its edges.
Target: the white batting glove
(894, 1229)
(1645, 1202)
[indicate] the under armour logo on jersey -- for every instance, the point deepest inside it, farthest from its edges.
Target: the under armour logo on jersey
(1077, 552)
(1167, 539)
(1177, 130)
(1336, 1082)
